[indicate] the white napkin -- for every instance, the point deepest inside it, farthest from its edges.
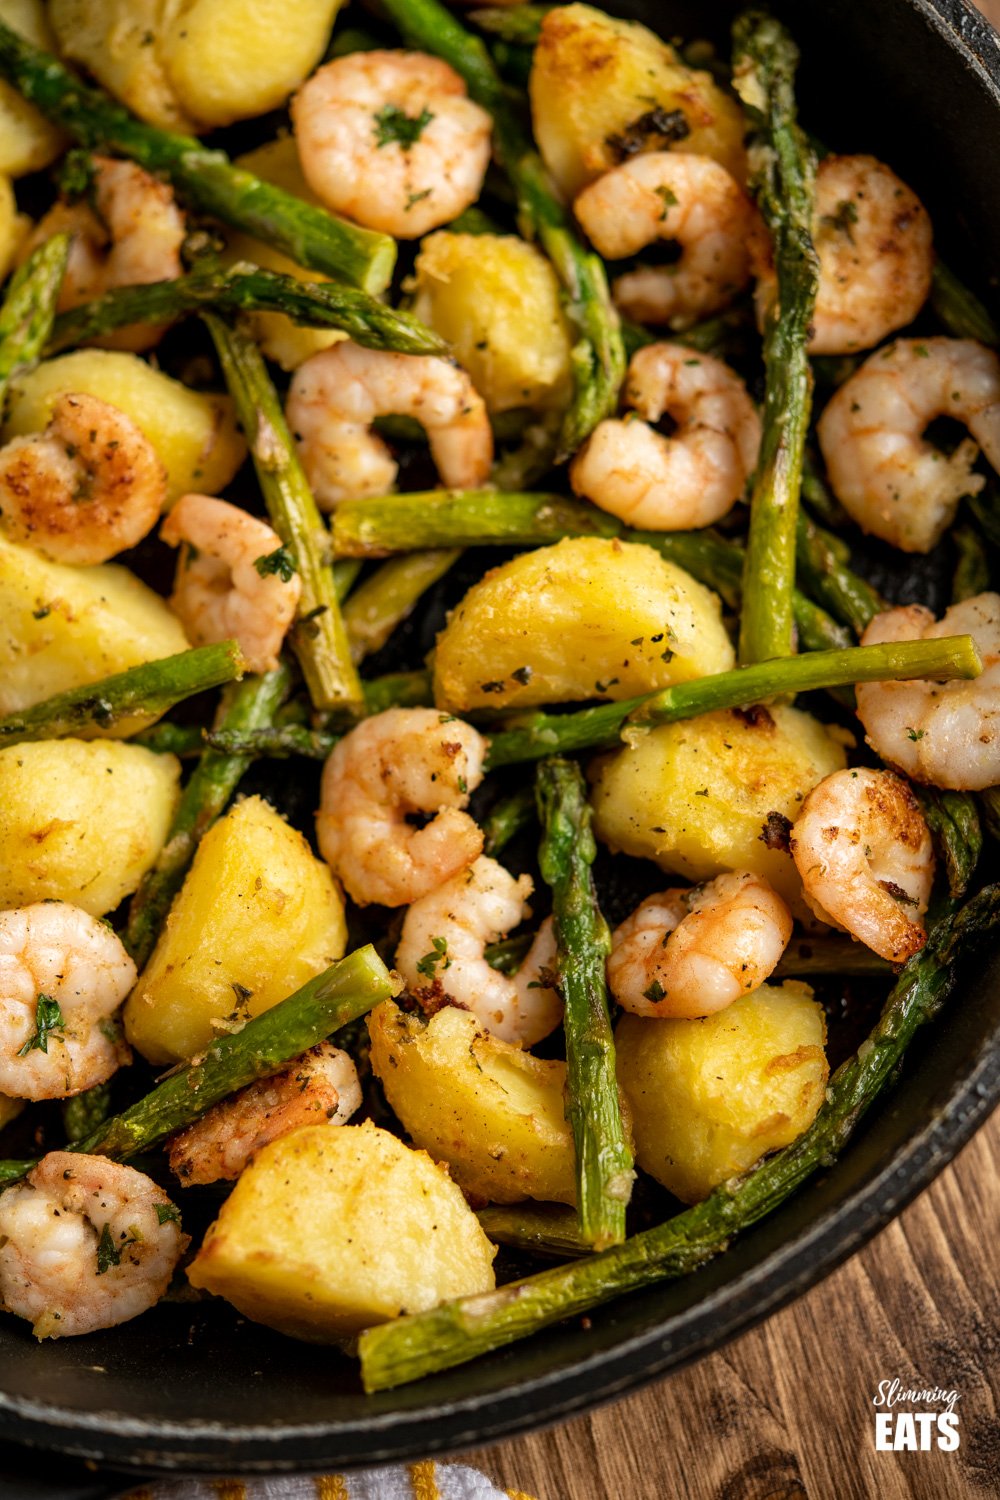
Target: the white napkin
(423, 1481)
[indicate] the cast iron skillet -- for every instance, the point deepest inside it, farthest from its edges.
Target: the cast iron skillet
(195, 1388)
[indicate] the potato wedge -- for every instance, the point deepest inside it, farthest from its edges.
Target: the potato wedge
(600, 88)
(709, 1098)
(496, 300)
(194, 433)
(282, 340)
(257, 915)
(586, 618)
(27, 141)
(491, 1111)
(82, 821)
(385, 1232)
(698, 797)
(64, 627)
(119, 42)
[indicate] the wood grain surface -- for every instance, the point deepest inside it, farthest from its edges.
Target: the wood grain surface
(786, 1411)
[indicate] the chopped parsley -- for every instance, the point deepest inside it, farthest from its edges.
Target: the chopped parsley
(669, 200)
(280, 561)
(654, 991)
(166, 1213)
(915, 734)
(48, 1018)
(393, 126)
(430, 961)
(845, 217)
(413, 198)
(108, 1253)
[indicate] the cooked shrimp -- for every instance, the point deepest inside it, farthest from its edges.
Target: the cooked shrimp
(442, 959)
(336, 395)
(85, 1243)
(220, 591)
(86, 488)
(131, 236)
(392, 140)
(320, 1087)
(873, 238)
(63, 974)
(689, 479)
(944, 733)
(390, 766)
(690, 200)
(887, 477)
(689, 953)
(864, 854)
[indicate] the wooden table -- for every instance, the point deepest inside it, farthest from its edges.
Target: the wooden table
(786, 1411)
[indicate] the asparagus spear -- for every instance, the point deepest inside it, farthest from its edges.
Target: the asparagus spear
(958, 838)
(829, 955)
(250, 705)
(277, 742)
(29, 306)
(601, 727)
(384, 600)
(972, 569)
(542, 1228)
(248, 288)
(822, 560)
(85, 1112)
(960, 310)
(520, 24)
(783, 167)
(507, 819)
(467, 518)
(206, 178)
(423, 1343)
(598, 355)
(145, 691)
(603, 1159)
(319, 637)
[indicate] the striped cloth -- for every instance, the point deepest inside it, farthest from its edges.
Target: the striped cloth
(423, 1481)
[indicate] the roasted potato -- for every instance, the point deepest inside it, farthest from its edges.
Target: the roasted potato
(27, 141)
(195, 64)
(82, 821)
(329, 1231)
(711, 794)
(282, 340)
(63, 627)
(586, 618)
(603, 89)
(711, 1097)
(13, 226)
(194, 433)
(496, 300)
(257, 916)
(491, 1111)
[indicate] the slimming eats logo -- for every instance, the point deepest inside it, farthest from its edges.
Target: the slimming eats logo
(900, 1425)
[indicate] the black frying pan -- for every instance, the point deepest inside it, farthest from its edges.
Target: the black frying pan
(197, 1388)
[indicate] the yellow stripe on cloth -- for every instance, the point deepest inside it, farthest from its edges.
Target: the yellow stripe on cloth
(518, 1495)
(331, 1487)
(424, 1483)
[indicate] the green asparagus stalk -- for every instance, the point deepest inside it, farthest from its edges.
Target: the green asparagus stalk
(319, 637)
(143, 692)
(508, 955)
(603, 1160)
(783, 168)
(507, 818)
(398, 690)
(245, 287)
(972, 568)
(29, 306)
(465, 518)
(280, 742)
(989, 806)
(86, 1112)
(843, 956)
(601, 727)
(823, 566)
(344, 991)
(380, 604)
(953, 820)
(206, 178)
(540, 1228)
(519, 24)
(250, 705)
(960, 310)
(598, 355)
(423, 1343)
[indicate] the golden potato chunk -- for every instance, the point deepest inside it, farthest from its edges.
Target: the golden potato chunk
(491, 1111)
(709, 1098)
(330, 1231)
(711, 794)
(27, 141)
(288, 344)
(119, 42)
(13, 226)
(194, 433)
(257, 916)
(496, 300)
(82, 822)
(586, 618)
(63, 627)
(603, 89)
